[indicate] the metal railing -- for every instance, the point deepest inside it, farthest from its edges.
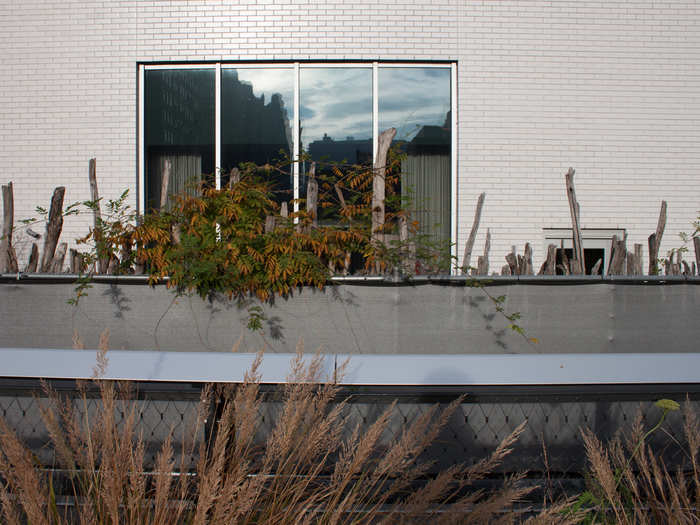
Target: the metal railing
(554, 416)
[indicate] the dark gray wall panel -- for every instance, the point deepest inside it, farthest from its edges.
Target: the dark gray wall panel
(412, 319)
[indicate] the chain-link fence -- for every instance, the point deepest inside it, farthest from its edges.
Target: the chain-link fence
(550, 447)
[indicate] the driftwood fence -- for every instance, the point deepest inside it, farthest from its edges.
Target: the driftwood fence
(621, 261)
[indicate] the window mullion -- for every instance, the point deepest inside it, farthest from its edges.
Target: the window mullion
(453, 161)
(297, 139)
(375, 110)
(217, 131)
(141, 205)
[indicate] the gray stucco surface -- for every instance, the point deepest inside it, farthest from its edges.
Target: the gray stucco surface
(362, 318)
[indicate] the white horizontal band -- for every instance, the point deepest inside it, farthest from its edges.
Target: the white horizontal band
(389, 370)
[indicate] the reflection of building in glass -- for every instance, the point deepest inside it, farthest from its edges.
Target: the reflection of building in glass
(350, 150)
(251, 129)
(179, 130)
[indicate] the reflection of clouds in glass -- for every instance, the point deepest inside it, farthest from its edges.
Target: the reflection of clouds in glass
(336, 102)
(269, 82)
(306, 112)
(410, 98)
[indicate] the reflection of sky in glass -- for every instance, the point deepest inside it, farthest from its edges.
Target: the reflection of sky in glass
(336, 102)
(410, 98)
(270, 81)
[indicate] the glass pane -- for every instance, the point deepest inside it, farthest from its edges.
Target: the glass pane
(179, 128)
(416, 101)
(336, 122)
(257, 108)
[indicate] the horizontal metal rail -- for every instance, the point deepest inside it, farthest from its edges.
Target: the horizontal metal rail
(440, 370)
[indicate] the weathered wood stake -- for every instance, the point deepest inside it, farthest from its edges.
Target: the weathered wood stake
(577, 263)
(655, 241)
(102, 262)
(483, 261)
(33, 259)
(57, 263)
(565, 267)
(312, 195)
(75, 261)
(53, 228)
(466, 261)
(696, 245)
(638, 256)
(619, 256)
(512, 261)
(686, 268)
(165, 181)
(379, 183)
(549, 267)
(234, 177)
(527, 261)
(8, 259)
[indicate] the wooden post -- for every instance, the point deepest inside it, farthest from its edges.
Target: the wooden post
(269, 224)
(527, 260)
(312, 195)
(234, 177)
(284, 210)
(655, 241)
(102, 262)
(686, 269)
(8, 259)
(549, 267)
(165, 181)
(466, 261)
(33, 259)
(512, 261)
(139, 265)
(577, 266)
(75, 261)
(564, 266)
(57, 263)
(696, 245)
(630, 263)
(619, 256)
(675, 266)
(638, 255)
(483, 261)
(596, 267)
(379, 183)
(53, 228)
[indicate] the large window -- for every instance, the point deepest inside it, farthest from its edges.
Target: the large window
(200, 121)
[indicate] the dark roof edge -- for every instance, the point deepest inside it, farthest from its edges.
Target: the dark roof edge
(379, 280)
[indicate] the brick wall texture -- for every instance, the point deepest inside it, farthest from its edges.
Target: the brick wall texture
(611, 88)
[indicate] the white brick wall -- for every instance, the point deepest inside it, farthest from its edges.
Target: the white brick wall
(611, 88)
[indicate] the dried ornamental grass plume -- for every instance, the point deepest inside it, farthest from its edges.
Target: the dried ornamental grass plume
(21, 478)
(310, 468)
(643, 490)
(102, 361)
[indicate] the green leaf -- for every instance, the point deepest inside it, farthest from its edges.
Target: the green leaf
(667, 404)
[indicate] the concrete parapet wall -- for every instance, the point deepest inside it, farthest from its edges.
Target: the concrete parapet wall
(364, 318)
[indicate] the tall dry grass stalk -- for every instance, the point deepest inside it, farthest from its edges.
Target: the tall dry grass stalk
(312, 467)
(630, 483)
